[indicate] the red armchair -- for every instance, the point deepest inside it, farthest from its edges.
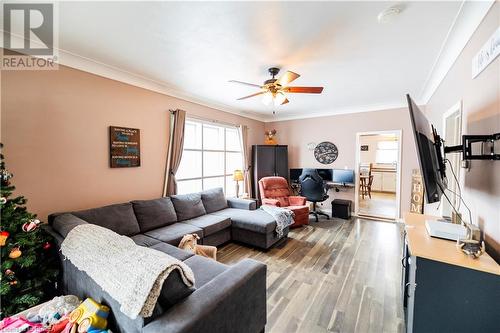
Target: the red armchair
(274, 191)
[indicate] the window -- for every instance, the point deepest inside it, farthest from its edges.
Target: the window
(387, 152)
(210, 156)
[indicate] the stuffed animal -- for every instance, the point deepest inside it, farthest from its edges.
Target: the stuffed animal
(189, 242)
(57, 308)
(270, 137)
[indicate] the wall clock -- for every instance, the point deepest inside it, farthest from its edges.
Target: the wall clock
(326, 152)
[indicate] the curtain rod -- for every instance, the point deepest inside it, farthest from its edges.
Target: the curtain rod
(208, 120)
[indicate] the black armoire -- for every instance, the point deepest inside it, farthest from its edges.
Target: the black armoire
(268, 160)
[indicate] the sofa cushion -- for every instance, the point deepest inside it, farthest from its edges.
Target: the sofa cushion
(210, 223)
(204, 269)
(172, 234)
(144, 240)
(213, 200)
(252, 220)
(173, 251)
(120, 218)
(188, 206)
(152, 214)
(64, 223)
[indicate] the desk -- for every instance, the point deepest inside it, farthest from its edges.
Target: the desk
(443, 289)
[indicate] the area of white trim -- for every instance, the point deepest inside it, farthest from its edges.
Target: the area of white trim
(337, 112)
(72, 60)
(469, 17)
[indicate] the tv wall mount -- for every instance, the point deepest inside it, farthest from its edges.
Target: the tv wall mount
(486, 142)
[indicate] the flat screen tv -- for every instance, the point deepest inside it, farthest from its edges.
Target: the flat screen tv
(429, 153)
(326, 174)
(343, 176)
(295, 174)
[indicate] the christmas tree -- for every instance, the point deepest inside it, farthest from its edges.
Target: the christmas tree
(29, 263)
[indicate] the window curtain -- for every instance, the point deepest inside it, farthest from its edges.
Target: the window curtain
(174, 154)
(247, 183)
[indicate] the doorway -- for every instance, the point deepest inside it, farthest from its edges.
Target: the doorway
(452, 134)
(378, 173)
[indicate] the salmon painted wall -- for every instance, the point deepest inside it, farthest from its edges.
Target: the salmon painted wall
(481, 115)
(342, 130)
(55, 131)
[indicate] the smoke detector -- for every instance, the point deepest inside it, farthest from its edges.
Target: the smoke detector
(388, 14)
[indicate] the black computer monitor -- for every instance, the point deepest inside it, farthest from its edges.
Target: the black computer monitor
(343, 176)
(430, 156)
(295, 174)
(326, 174)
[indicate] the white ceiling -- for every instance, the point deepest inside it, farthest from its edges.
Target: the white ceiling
(192, 49)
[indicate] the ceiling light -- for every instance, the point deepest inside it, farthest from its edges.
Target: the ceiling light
(267, 98)
(388, 14)
(279, 98)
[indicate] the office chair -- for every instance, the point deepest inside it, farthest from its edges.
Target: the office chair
(313, 188)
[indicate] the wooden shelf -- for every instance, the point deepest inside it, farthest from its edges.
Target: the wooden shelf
(422, 245)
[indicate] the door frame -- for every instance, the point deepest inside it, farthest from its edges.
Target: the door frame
(456, 108)
(399, 135)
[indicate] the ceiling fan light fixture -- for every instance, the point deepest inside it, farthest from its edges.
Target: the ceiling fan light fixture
(267, 98)
(279, 98)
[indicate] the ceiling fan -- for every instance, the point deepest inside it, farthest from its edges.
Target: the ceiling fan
(276, 90)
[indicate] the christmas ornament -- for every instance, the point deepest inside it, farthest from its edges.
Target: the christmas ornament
(47, 246)
(31, 225)
(13, 283)
(3, 200)
(3, 237)
(15, 252)
(9, 272)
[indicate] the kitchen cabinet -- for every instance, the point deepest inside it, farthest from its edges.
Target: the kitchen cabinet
(384, 181)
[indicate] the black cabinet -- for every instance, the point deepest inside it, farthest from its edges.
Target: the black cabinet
(440, 297)
(268, 161)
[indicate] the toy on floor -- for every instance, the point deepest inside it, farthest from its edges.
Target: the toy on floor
(54, 310)
(189, 242)
(90, 316)
(13, 324)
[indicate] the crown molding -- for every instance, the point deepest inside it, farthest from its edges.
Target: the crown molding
(338, 112)
(95, 67)
(468, 19)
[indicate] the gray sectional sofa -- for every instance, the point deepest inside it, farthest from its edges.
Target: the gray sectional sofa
(224, 298)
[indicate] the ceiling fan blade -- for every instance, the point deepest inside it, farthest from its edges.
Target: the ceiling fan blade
(252, 95)
(285, 101)
(304, 90)
(287, 78)
(245, 83)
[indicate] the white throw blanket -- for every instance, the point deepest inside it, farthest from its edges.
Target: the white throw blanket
(133, 275)
(283, 217)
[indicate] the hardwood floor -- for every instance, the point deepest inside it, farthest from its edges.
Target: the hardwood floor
(380, 204)
(332, 276)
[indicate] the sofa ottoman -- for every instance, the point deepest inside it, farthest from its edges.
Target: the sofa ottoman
(253, 227)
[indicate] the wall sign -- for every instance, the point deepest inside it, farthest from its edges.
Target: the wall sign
(417, 192)
(364, 148)
(124, 147)
(488, 53)
(326, 152)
